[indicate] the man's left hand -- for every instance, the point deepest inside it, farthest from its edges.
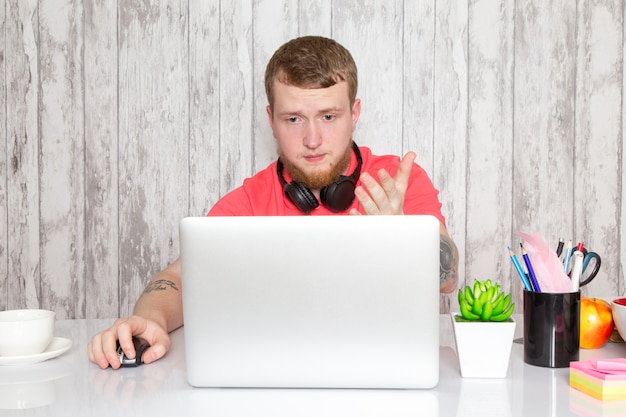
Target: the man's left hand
(385, 196)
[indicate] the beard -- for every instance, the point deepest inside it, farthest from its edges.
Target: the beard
(318, 179)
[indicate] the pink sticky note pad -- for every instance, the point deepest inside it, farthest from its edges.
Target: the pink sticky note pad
(604, 365)
(603, 374)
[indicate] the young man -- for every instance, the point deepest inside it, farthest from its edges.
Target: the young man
(311, 86)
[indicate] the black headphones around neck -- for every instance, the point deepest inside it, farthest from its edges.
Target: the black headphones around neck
(337, 196)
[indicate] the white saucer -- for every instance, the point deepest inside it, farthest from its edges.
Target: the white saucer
(58, 346)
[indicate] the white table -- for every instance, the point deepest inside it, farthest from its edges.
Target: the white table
(70, 385)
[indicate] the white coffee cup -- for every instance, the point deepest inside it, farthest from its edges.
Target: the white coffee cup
(25, 332)
(618, 310)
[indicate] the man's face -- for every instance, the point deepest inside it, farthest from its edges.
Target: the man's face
(313, 129)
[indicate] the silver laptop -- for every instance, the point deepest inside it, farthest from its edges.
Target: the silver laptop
(311, 301)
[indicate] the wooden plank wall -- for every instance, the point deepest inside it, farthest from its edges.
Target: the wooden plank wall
(119, 118)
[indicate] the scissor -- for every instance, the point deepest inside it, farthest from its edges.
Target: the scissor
(589, 274)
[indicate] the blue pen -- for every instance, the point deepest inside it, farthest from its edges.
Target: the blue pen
(531, 271)
(568, 254)
(519, 269)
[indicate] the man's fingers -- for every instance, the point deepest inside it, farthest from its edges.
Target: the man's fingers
(158, 350)
(108, 345)
(96, 354)
(388, 184)
(377, 194)
(404, 171)
(385, 196)
(369, 206)
(101, 348)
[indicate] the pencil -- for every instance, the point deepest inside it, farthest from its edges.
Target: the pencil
(519, 269)
(531, 272)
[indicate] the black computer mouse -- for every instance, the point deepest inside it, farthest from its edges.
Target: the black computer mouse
(140, 347)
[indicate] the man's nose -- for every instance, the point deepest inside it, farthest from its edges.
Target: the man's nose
(312, 137)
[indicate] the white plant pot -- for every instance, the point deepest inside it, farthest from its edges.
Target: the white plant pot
(483, 348)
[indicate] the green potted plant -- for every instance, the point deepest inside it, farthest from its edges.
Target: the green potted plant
(483, 330)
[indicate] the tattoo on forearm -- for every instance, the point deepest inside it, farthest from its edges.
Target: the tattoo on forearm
(448, 263)
(160, 285)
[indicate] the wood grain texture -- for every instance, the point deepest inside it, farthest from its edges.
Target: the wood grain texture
(620, 224)
(153, 139)
(3, 166)
(315, 18)
(598, 135)
(450, 120)
(120, 118)
(418, 81)
(544, 95)
(489, 142)
(418, 94)
(61, 179)
(204, 106)
(237, 93)
(543, 122)
(282, 17)
(101, 160)
(22, 153)
(378, 54)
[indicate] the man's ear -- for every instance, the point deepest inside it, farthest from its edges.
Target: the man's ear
(356, 112)
(268, 110)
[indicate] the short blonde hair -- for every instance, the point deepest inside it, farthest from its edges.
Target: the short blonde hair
(311, 62)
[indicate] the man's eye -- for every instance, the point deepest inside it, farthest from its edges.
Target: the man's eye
(292, 119)
(328, 117)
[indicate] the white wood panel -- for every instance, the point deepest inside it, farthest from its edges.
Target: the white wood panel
(236, 94)
(4, 238)
(378, 56)
(275, 22)
(153, 142)
(22, 80)
(490, 142)
(598, 135)
(315, 18)
(621, 224)
(544, 93)
(61, 150)
(101, 163)
(204, 106)
(418, 83)
(450, 120)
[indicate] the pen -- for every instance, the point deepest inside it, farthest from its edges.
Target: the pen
(531, 272)
(568, 253)
(559, 248)
(519, 269)
(577, 269)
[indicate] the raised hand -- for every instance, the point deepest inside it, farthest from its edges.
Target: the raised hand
(385, 196)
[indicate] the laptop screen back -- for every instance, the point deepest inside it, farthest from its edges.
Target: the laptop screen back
(306, 301)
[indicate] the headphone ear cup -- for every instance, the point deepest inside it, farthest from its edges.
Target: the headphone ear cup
(301, 197)
(339, 195)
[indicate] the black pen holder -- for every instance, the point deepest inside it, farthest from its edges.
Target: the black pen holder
(551, 328)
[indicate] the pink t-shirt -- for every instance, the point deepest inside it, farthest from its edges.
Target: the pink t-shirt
(263, 195)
